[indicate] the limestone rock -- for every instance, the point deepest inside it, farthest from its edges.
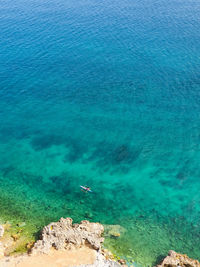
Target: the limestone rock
(178, 260)
(65, 235)
(1, 230)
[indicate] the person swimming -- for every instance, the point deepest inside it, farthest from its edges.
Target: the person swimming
(85, 188)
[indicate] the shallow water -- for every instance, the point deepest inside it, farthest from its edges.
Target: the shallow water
(104, 94)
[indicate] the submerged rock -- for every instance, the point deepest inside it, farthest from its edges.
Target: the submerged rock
(89, 215)
(1, 230)
(65, 235)
(21, 224)
(115, 234)
(113, 231)
(178, 260)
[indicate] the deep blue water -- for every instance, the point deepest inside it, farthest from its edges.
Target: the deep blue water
(103, 93)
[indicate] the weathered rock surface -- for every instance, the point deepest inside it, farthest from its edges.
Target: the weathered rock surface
(65, 235)
(175, 259)
(1, 230)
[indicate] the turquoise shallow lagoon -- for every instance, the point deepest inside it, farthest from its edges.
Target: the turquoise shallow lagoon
(105, 94)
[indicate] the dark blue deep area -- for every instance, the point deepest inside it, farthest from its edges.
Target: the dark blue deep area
(105, 93)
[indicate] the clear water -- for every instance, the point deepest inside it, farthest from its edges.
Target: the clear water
(105, 94)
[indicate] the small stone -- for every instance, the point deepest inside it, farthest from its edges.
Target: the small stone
(122, 262)
(21, 224)
(1, 230)
(15, 236)
(30, 245)
(107, 254)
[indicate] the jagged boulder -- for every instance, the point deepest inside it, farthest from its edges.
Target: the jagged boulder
(178, 260)
(1, 230)
(65, 235)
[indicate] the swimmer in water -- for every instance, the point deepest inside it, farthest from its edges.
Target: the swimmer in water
(85, 188)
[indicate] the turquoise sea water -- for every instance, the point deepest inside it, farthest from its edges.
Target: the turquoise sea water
(105, 94)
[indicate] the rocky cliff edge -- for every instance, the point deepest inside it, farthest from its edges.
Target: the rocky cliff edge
(178, 260)
(65, 235)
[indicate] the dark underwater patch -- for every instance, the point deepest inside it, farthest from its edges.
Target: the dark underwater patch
(76, 149)
(121, 154)
(61, 183)
(46, 141)
(181, 176)
(125, 154)
(7, 170)
(108, 155)
(17, 132)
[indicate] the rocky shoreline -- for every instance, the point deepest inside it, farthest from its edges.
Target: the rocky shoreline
(73, 238)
